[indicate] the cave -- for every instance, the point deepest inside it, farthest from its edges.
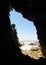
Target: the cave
(27, 35)
(33, 10)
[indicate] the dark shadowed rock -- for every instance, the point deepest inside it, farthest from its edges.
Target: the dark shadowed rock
(34, 10)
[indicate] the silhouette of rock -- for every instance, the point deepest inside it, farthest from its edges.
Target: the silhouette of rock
(32, 10)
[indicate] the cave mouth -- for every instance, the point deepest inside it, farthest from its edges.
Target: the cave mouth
(27, 35)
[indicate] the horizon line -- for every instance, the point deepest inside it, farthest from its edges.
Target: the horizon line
(29, 40)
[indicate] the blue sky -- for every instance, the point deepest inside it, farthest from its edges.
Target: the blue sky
(26, 31)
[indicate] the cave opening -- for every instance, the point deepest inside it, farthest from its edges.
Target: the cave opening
(27, 35)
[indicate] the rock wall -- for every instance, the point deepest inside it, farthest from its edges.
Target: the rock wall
(31, 9)
(34, 10)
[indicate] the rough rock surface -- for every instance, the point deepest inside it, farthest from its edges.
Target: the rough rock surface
(34, 10)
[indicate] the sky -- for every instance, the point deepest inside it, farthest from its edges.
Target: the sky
(26, 30)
